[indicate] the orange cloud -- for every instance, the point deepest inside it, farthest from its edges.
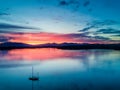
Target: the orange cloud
(44, 37)
(40, 38)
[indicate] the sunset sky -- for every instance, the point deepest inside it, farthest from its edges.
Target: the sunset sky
(58, 21)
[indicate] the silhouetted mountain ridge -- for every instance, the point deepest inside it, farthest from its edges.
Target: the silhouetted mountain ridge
(69, 46)
(12, 45)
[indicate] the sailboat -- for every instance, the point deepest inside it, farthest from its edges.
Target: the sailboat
(33, 78)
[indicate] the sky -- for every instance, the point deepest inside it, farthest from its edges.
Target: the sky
(59, 21)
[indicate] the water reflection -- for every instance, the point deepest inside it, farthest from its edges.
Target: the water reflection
(49, 54)
(60, 69)
(41, 54)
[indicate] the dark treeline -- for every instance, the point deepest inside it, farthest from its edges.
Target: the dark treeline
(91, 46)
(69, 46)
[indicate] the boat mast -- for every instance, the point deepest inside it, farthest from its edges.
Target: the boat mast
(32, 71)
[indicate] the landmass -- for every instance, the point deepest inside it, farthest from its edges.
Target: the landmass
(68, 46)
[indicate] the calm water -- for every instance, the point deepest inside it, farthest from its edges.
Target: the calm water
(60, 69)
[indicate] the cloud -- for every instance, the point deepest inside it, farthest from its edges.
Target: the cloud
(10, 26)
(86, 3)
(4, 14)
(86, 28)
(73, 4)
(105, 22)
(4, 38)
(44, 37)
(100, 37)
(75, 35)
(117, 35)
(109, 31)
(69, 2)
(87, 37)
(83, 36)
(63, 3)
(99, 30)
(98, 24)
(7, 28)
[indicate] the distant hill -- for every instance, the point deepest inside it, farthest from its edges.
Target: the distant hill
(13, 45)
(89, 46)
(69, 46)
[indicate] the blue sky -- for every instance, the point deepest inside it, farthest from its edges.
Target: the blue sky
(99, 19)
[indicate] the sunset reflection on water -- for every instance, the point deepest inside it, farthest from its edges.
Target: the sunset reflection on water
(40, 54)
(60, 69)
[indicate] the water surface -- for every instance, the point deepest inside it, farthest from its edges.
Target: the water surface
(60, 69)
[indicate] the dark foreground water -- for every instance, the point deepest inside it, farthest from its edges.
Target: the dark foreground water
(60, 69)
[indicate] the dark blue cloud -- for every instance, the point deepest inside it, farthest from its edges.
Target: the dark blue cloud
(117, 35)
(99, 24)
(86, 3)
(63, 3)
(109, 31)
(75, 4)
(87, 36)
(100, 37)
(10, 26)
(7, 28)
(76, 35)
(4, 14)
(105, 22)
(86, 28)
(69, 2)
(5, 38)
